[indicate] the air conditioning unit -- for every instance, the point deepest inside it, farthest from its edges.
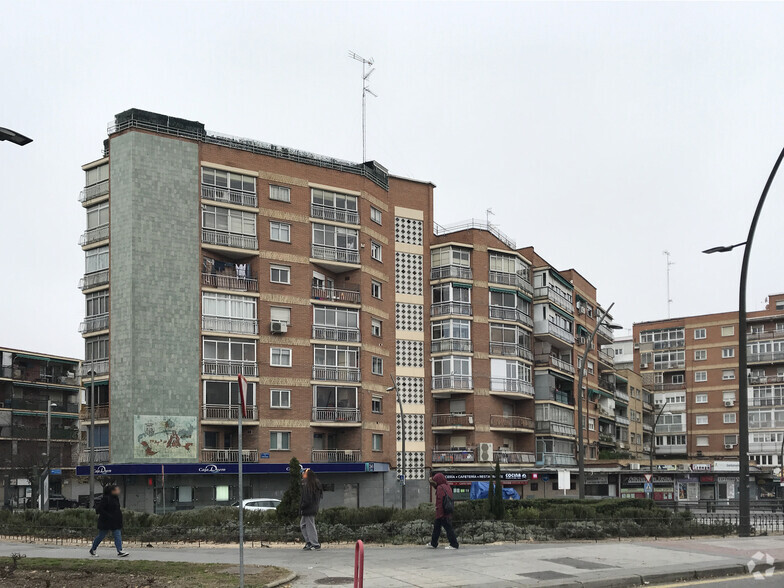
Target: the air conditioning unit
(485, 452)
(644, 365)
(580, 310)
(581, 340)
(278, 327)
(634, 466)
(729, 446)
(729, 403)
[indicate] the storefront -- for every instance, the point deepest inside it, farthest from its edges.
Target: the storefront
(633, 486)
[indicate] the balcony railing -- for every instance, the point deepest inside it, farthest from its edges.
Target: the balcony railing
(553, 428)
(511, 385)
(757, 424)
(229, 455)
(675, 364)
(774, 334)
(658, 345)
(94, 279)
(606, 438)
(101, 410)
(333, 295)
(769, 401)
(504, 313)
(605, 357)
(222, 324)
(56, 433)
(556, 459)
(554, 330)
(225, 412)
(606, 333)
(94, 235)
(229, 196)
(339, 215)
(452, 383)
(342, 334)
(621, 395)
(606, 384)
(230, 282)
(501, 421)
(670, 428)
(514, 457)
(94, 191)
(334, 254)
(671, 449)
(451, 345)
(554, 296)
(336, 374)
(99, 366)
(772, 379)
(621, 420)
(669, 386)
(767, 357)
(227, 367)
(336, 456)
(94, 323)
(451, 271)
(452, 420)
(511, 350)
(336, 415)
(224, 239)
(454, 456)
(555, 362)
(444, 308)
(101, 455)
(517, 280)
(39, 405)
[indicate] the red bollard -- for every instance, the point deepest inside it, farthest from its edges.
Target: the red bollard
(359, 564)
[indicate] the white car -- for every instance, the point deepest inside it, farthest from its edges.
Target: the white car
(259, 503)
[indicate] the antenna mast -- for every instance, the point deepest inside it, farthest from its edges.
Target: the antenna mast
(488, 213)
(366, 63)
(669, 300)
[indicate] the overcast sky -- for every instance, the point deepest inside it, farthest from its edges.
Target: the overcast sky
(601, 134)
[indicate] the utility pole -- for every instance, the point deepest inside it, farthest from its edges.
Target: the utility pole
(653, 440)
(393, 388)
(366, 63)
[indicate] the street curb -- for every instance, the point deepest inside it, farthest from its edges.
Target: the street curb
(679, 576)
(619, 582)
(290, 578)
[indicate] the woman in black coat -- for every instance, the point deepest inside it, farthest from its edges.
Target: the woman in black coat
(110, 518)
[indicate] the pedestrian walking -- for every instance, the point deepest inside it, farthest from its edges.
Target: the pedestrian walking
(310, 498)
(110, 518)
(445, 506)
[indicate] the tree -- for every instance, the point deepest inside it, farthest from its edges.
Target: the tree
(496, 494)
(288, 509)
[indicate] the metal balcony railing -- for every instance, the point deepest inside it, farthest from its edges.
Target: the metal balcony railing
(675, 364)
(606, 438)
(556, 459)
(501, 421)
(452, 383)
(342, 334)
(336, 415)
(39, 405)
(451, 271)
(336, 456)
(336, 374)
(621, 395)
(339, 215)
(445, 308)
(767, 357)
(230, 283)
(670, 428)
(229, 455)
(451, 345)
(504, 313)
(222, 324)
(454, 456)
(766, 424)
(511, 350)
(553, 428)
(554, 330)
(606, 333)
(91, 324)
(511, 385)
(101, 455)
(56, 433)
(475, 224)
(101, 410)
(98, 366)
(605, 357)
(94, 279)
(334, 295)
(334, 254)
(227, 367)
(94, 191)
(94, 235)
(758, 336)
(772, 379)
(514, 457)
(225, 412)
(516, 280)
(224, 239)
(230, 196)
(669, 386)
(554, 296)
(452, 420)
(606, 384)
(621, 420)
(671, 449)
(767, 401)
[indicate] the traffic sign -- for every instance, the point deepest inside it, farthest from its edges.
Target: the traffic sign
(648, 477)
(648, 488)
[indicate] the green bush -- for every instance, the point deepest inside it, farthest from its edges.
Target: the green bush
(288, 508)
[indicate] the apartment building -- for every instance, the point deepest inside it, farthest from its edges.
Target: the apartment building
(39, 400)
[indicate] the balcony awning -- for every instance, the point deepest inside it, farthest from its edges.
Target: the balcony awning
(563, 313)
(524, 296)
(620, 377)
(600, 393)
(44, 358)
(561, 279)
(502, 290)
(582, 331)
(461, 285)
(621, 401)
(46, 385)
(42, 413)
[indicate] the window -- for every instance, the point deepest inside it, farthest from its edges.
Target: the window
(96, 348)
(228, 220)
(280, 232)
(223, 185)
(451, 329)
(375, 250)
(728, 375)
(378, 440)
(730, 439)
(701, 419)
(700, 355)
(376, 404)
(702, 441)
(280, 357)
(701, 399)
(98, 216)
(96, 174)
(280, 313)
(228, 313)
(446, 256)
(334, 206)
(280, 398)
(534, 486)
(227, 394)
(700, 334)
(280, 274)
(377, 366)
(677, 379)
(375, 289)
(281, 193)
(508, 264)
(280, 440)
(591, 424)
(728, 396)
(96, 259)
(343, 319)
(97, 303)
(701, 376)
(727, 352)
(375, 327)
(727, 331)
(222, 353)
(589, 366)
(375, 215)
(221, 493)
(340, 243)
(730, 417)
(335, 356)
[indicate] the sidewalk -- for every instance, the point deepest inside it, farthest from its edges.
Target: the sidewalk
(606, 564)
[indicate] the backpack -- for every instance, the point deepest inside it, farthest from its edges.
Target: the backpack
(448, 504)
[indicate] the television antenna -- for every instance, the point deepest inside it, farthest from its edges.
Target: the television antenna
(669, 300)
(488, 213)
(366, 63)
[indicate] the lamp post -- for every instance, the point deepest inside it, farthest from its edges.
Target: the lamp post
(744, 511)
(14, 137)
(653, 440)
(44, 484)
(91, 500)
(392, 388)
(580, 440)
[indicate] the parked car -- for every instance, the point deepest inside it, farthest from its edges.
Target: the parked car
(59, 502)
(259, 503)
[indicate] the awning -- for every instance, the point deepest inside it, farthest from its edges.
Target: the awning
(46, 385)
(620, 377)
(524, 296)
(502, 291)
(621, 401)
(582, 331)
(44, 358)
(461, 285)
(600, 393)
(561, 279)
(563, 313)
(581, 299)
(55, 415)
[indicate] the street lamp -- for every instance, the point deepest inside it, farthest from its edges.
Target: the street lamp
(91, 499)
(392, 388)
(744, 511)
(14, 137)
(44, 490)
(653, 441)
(582, 366)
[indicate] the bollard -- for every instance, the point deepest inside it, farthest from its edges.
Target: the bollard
(359, 564)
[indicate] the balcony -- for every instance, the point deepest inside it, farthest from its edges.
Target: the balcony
(621, 395)
(224, 239)
(662, 429)
(511, 423)
(511, 350)
(648, 427)
(772, 379)
(338, 215)
(766, 424)
(514, 457)
(608, 385)
(452, 383)
(553, 428)
(56, 433)
(661, 387)
(769, 447)
(229, 456)
(605, 333)
(94, 191)
(767, 401)
(622, 420)
(670, 450)
(511, 385)
(219, 324)
(606, 439)
(606, 358)
(101, 455)
(39, 405)
(546, 328)
(454, 456)
(451, 271)
(225, 412)
(94, 279)
(504, 313)
(452, 421)
(229, 196)
(675, 364)
(659, 345)
(336, 456)
(228, 367)
(340, 416)
(517, 280)
(334, 254)
(230, 283)
(101, 410)
(97, 367)
(554, 296)
(548, 459)
(763, 335)
(94, 235)
(446, 308)
(333, 295)
(556, 395)
(451, 345)
(341, 334)
(95, 323)
(336, 374)
(767, 357)
(554, 362)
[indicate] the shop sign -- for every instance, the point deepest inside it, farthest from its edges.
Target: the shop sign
(726, 466)
(700, 467)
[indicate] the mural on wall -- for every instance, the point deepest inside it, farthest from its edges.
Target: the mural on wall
(164, 437)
